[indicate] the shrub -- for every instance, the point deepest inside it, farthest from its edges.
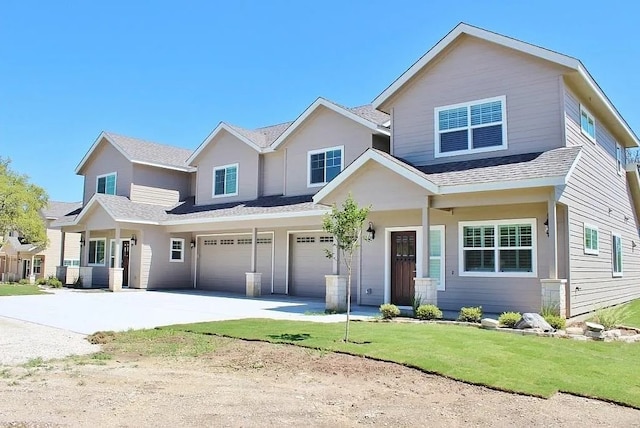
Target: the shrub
(41, 281)
(556, 321)
(470, 314)
(509, 319)
(54, 282)
(428, 312)
(23, 281)
(389, 311)
(416, 302)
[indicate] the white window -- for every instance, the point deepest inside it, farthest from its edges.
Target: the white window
(498, 248)
(225, 180)
(106, 184)
(177, 250)
(477, 126)
(97, 251)
(71, 262)
(587, 124)
(37, 266)
(619, 158)
(591, 239)
(324, 165)
(616, 252)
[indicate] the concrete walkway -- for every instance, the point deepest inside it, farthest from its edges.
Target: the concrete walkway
(88, 311)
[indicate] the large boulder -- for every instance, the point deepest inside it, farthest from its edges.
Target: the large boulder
(531, 320)
(489, 323)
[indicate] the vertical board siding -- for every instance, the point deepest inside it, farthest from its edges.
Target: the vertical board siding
(470, 70)
(598, 195)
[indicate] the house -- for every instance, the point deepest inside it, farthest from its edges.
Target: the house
(495, 169)
(22, 260)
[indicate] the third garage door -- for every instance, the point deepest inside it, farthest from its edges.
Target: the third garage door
(308, 263)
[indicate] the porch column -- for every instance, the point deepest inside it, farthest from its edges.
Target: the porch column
(425, 287)
(115, 271)
(63, 238)
(253, 278)
(552, 239)
(85, 249)
(85, 277)
(553, 289)
(32, 277)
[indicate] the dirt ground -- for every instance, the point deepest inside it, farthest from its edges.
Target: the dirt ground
(258, 384)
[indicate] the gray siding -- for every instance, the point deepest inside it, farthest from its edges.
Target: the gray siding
(272, 177)
(157, 184)
(154, 195)
(598, 195)
(105, 160)
(155, 270)
(470, 70)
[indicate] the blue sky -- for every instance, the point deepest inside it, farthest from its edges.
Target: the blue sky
(170, 71)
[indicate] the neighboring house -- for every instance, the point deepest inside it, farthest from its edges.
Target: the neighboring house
(20, 259)
(495, 170)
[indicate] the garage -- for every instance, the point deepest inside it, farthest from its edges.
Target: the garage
(308, 263)
(223, 261)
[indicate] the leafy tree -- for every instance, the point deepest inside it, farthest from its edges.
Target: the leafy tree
(345, 225)
(20, 205)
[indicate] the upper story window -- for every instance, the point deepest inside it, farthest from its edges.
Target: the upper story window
(225, 180)
(106, 183)
(477, 126)
(587, 124)
(619, 158)
(324, 165)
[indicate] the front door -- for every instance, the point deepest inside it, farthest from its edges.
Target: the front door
(403, 267)
(125, 263)
(26, 268)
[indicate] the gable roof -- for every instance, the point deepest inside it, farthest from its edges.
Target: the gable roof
(536, 51)
(56, 209)
(142, 152)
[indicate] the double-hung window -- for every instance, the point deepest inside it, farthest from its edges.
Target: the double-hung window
(106, 184)
(177, 250)
(498, 248)
(477, 126)
(587, 124)
(97, 252)
(591, 239)
(324, 165)
(616, 254)
(225, 180)
(37, 266)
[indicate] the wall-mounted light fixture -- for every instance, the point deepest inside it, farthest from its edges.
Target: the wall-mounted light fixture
(193, 243)
(626, 218)
(633, 244)
(610, 210)
(371, 231)
(134, 240)
(546, 226)
(82, 240)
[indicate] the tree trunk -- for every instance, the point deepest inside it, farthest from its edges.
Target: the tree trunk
(346, 331)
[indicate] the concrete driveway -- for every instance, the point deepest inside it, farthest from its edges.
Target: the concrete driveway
(93, 310)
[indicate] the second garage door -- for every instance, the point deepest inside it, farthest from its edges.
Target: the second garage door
(308, 263)
(223, 262)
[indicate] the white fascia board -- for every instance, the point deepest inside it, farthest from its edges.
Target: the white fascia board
(489, 36)
(221, 127)
(247, 217)
(159, 165)
(133, 221)
(331, 106)
(93, 147)
(573, 167)
(503, 185)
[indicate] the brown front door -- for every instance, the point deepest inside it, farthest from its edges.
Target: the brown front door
(403, 267)
(125, 263)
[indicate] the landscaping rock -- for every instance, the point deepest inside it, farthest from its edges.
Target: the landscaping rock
(613, 333)
(598, 335)
(592, 326)
(575, 331)
(531, 320)
(489, 323)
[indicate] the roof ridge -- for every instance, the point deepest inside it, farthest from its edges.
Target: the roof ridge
(142, 140)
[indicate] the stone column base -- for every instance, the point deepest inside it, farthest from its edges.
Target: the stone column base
(86, 276)
(426, 289)
(32, 279)
(115, 279)
(61, 274)
(254, 284)
(554, 295)
(336, 293)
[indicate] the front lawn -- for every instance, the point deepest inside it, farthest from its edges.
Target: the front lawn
(627, 314)
(524, 364)
(19, 290)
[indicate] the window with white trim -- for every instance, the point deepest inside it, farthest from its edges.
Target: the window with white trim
(324, 165)
(477, 126)
(71, 262)
(106, 183)
(591, 239)
(619, 158)
(587, 124)
(37, 266)
(616, 254)
(225, 180)
(97, 251)
(498, 248)
(177, 250)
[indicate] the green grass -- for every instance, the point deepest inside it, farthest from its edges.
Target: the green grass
(524, 364)
(628, 314)
(19, 290)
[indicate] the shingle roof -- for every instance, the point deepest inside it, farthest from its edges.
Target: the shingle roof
(121, 208)
(150, 152)
(19, 246)
(371, 114)
(56, 209)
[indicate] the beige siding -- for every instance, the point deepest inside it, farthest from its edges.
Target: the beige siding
(273, 173)
(598, 195)
(154, 195)
(225, 150)
(105, 160)
(164, 185)
(470, 70)
(51, 253)
(155, 270)
(323, 129)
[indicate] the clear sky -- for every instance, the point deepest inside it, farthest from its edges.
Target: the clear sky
(170, 71)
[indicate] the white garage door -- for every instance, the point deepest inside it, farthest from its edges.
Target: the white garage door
(309, 264)
(223, 262)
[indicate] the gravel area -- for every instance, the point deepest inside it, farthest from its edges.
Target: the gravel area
(22, 341)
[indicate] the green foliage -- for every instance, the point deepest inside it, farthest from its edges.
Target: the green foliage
(470, 314)
(509, 319)
(389, 311)
(416, 302)
(54, 282)
(550, 310)
(428, 312)
(21, 203)
(23, 281)
(612, 317)
(556, 321)
(41, 281)
(19, 290)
